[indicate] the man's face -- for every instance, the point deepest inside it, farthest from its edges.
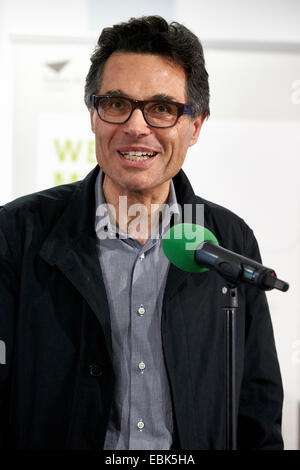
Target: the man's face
(142, 77)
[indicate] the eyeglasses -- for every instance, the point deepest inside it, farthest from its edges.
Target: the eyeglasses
(157, 113)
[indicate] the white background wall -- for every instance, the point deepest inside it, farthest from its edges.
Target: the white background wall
(251, 140)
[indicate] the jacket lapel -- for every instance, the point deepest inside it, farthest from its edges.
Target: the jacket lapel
(71, 246)
(185, 196)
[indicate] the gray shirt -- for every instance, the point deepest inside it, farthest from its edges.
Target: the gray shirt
(135, 277)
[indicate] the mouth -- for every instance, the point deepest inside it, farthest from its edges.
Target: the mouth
(135, 156)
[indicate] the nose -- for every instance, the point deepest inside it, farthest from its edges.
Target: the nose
(136, 125)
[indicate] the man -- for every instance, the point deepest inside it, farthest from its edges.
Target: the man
(107, 345)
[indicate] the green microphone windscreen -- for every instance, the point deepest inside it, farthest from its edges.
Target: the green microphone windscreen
(180, 243)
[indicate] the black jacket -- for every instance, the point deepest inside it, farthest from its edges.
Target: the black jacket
(57, 384)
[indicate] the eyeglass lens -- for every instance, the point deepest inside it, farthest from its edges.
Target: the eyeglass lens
(157, 113)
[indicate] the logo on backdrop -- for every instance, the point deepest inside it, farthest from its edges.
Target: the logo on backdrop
(59, 75)
(57, 66)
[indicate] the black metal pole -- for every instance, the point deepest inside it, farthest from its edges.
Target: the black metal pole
(230, 381)
(229, 305)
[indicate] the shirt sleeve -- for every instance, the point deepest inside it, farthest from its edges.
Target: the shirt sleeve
(260, 407)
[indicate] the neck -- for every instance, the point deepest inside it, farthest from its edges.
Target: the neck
(136, 212)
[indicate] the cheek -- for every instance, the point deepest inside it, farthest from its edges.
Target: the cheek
(103, 136)
(170, 140)
(180, 140)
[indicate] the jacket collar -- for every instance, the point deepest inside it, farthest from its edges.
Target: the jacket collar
(76, 220)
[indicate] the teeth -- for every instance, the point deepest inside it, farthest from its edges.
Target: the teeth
(134, 158)
(137, 156)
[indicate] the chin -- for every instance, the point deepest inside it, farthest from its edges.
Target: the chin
(136, 187)
(136, 184)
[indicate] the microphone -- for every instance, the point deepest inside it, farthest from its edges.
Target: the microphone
(194, 248)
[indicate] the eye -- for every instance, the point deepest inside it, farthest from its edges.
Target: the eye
(117, 104)
(162, 108)
(114, 104)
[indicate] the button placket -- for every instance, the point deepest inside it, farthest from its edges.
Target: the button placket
(139, 329)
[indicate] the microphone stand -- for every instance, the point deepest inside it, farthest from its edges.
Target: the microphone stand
(234, 268)
(229, 305)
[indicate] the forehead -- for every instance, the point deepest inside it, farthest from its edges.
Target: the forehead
(142, 76)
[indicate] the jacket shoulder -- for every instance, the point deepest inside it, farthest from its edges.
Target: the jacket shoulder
(26, 221)
(219, 213)
(47, 204)
(230, 229)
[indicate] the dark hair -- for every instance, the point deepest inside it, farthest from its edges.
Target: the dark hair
(153, 35)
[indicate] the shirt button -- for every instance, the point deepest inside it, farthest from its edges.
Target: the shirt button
(142, 256)
(140, 425)
(142, 366)
(141, 310)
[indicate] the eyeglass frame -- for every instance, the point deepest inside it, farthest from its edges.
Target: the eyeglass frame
(182, 108)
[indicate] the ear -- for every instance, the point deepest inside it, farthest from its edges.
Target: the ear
(197, 124)
(93, 119)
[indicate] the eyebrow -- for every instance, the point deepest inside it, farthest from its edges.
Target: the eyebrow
(158, 96)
